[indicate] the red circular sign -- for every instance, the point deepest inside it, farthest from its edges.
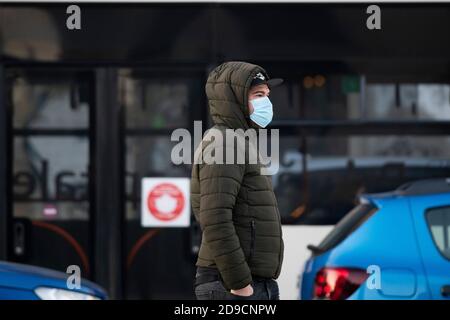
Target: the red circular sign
(165, 201)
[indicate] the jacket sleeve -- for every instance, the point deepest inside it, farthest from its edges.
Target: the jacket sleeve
(219, 187)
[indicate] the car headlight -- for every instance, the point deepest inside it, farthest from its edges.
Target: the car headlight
(46, 293)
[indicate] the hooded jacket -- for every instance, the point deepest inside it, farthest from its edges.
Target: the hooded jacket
(233, 203)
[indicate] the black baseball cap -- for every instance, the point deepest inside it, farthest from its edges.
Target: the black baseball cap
(259, 78)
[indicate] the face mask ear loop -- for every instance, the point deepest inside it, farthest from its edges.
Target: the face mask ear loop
(246, 89)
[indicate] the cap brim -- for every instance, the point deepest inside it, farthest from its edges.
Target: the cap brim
(275, 82)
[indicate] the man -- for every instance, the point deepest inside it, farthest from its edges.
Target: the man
(242, 247)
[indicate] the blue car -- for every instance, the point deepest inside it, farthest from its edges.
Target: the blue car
(23, 282)
(393, 245)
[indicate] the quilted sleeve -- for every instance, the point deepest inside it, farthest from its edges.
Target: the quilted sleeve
(219, 187)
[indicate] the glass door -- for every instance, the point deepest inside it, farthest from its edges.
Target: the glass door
(158, 262)
(50, 157)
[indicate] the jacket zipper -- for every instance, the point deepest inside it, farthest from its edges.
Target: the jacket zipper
(280, 256)
(252, 242)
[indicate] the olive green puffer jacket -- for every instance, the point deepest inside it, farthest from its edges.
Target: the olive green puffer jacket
(235, 204)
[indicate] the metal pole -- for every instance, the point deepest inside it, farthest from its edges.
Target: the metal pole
(3, 168)
(108, 180)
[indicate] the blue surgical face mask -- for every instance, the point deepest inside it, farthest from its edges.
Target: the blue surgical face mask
(262, 113)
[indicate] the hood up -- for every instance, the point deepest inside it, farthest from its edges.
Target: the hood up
(227, 91)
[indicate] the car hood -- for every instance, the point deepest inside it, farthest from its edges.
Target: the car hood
(28, 277)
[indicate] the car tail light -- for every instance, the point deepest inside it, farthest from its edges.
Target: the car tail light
(338, 283)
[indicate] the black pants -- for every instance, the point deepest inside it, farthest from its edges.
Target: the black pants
(263, 289)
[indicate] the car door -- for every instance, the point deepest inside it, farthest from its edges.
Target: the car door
(431, 215)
